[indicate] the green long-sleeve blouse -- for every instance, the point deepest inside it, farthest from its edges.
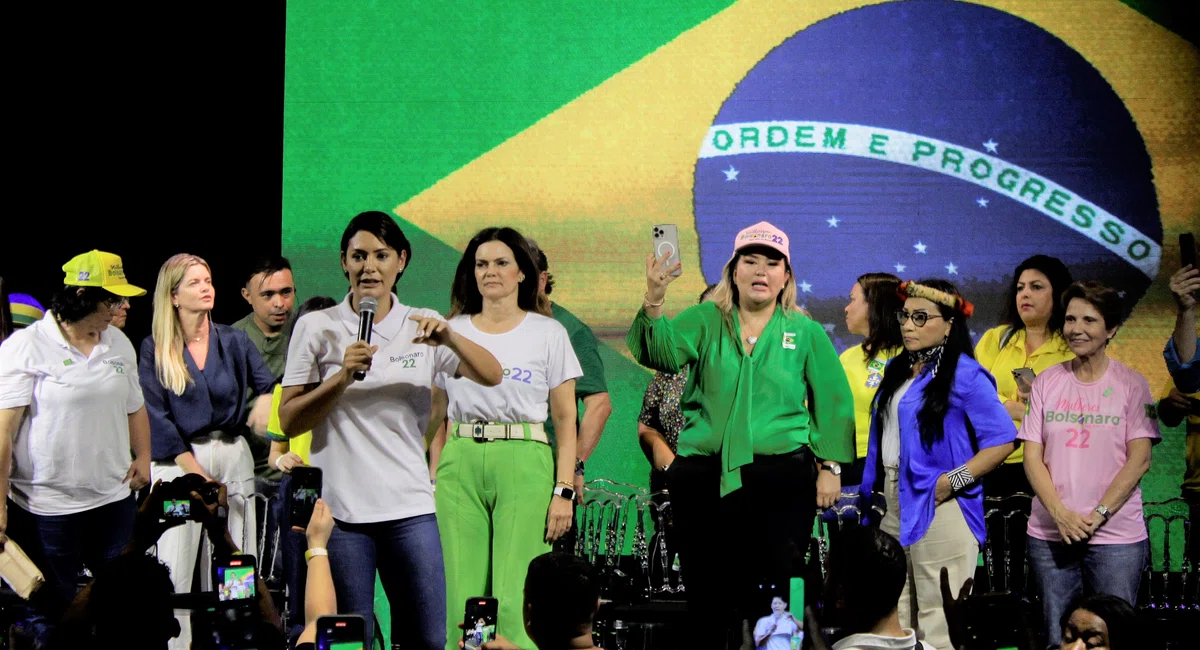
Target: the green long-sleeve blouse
(790, 391)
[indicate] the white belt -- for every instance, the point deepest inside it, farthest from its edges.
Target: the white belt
(485, 432)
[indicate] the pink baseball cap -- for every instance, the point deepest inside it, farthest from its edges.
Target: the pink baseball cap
(763, 234)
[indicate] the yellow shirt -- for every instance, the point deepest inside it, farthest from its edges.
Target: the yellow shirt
(864, 381)
(1191, 471)
(301, 444)
(1001, 363)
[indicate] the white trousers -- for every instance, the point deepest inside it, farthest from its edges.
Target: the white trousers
(230, 462)
(948, 543)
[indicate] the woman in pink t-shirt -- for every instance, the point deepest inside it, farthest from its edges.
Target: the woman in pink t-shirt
(1087, 438)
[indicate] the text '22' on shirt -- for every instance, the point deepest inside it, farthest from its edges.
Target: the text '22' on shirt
(371, 448)
(536, 355)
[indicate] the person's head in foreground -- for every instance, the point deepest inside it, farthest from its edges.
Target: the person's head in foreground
(867, 570)
(1098, 622)
(562, 596)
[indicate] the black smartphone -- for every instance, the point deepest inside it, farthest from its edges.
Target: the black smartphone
(1187, 250)
(235, 578)
(341, 633)
(479, 622)
(305, 490)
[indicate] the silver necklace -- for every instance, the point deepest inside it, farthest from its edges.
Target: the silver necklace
(752, 340)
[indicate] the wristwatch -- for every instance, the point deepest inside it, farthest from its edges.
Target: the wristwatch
(832, 467)
(1103, 511)
(578, 467)
(564, 492)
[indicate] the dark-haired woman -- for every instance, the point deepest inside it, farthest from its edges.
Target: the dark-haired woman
(1088, 437)
(936, 430)
(871, 314)
(768, 418)
(70, 411)
(368, 434)
(502, 497)
(1030, 336)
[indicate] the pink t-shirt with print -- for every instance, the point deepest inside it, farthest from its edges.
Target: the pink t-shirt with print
(1084, 429)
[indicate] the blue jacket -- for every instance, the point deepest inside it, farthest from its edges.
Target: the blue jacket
(973, 402)
(1185, 375)
(214, 401)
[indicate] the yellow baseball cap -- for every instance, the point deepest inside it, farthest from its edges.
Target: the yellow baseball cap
(100, 269)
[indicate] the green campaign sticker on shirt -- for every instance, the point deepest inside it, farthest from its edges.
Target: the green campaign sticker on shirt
(67, 362)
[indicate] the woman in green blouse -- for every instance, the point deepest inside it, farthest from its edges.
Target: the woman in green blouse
(768, 417)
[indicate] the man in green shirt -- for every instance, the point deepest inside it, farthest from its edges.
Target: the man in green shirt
(590, 389)
(271, 293)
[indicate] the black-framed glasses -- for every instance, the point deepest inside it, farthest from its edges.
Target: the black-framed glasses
(919, 318)
(114, 302)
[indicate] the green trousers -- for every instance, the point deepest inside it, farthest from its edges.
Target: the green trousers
(492, 499)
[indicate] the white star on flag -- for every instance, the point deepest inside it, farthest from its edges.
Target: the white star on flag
(900, 267)
(982, 202)
(805, 286)
(832, 221)
(920, 247)
(730, 174)
(951, 269)
(991, 145)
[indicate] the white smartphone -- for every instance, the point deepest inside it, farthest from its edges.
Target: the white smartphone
(666, 241)
(1023, 374)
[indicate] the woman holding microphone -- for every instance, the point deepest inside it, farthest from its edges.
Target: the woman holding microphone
(768, 418)
(368, 433)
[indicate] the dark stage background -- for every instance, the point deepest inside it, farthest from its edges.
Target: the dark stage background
(145, 131)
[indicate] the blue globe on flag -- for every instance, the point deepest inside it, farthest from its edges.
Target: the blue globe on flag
(929, 138)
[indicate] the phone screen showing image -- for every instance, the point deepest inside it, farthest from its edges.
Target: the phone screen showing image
(778, 623)
(479, 622)
(235, 580)
(177, 509)
(305, 490)
(341, 633)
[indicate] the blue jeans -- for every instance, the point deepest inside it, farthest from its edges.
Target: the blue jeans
(408, 555)
(62, 545)
(1065, 572)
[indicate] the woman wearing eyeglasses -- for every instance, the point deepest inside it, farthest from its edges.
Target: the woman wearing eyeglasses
(937, 429)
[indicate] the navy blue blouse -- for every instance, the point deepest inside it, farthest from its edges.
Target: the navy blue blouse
(214, 401)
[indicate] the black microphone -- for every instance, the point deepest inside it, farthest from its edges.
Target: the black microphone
(366, 318)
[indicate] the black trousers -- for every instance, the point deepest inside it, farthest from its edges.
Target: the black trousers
(733, 549)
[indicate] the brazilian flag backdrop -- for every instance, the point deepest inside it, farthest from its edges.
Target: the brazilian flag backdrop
(921, 137)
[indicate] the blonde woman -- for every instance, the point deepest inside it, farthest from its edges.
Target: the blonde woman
(194, 374)
(768, 418)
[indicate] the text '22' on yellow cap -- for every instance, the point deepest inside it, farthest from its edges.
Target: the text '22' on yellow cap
(100, 269)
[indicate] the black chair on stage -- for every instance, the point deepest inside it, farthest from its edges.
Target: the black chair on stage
(1169, 601)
